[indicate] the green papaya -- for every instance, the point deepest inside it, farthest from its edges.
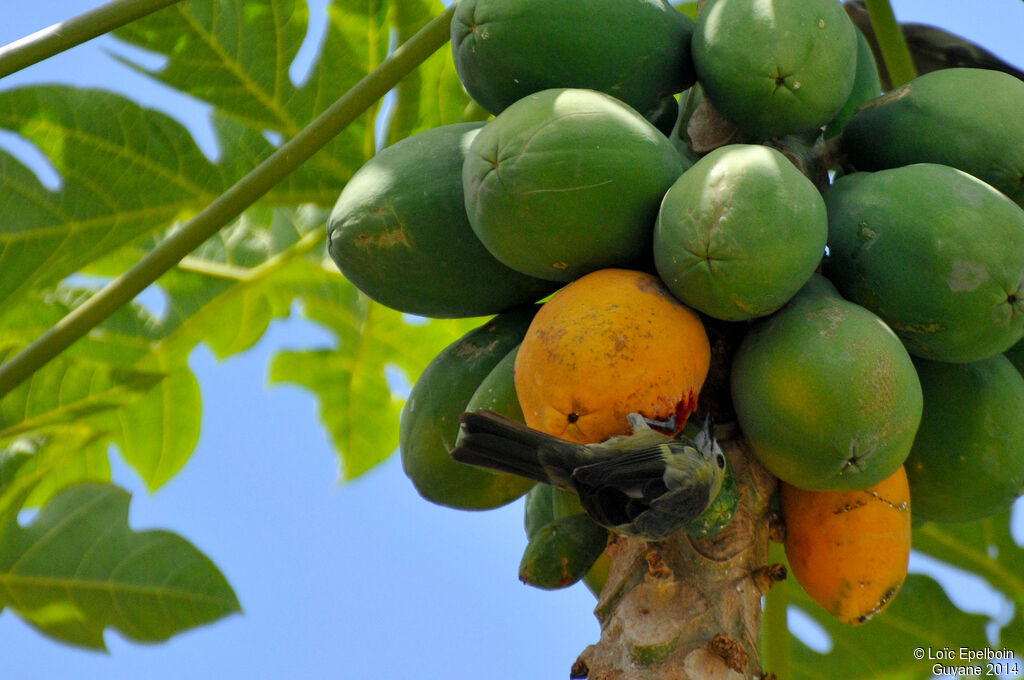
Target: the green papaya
(429, 423)
(867, 85)
(938, 254)
(636, 50)
(567, 181)
(968, 458)
(775, 67)
(562, 552)
(399, 232)
(825, 393)
(566, 503)
(740, 232)
(970, 119)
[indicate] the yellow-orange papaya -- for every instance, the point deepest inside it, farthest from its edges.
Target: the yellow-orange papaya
(849, 549)
(611, 343)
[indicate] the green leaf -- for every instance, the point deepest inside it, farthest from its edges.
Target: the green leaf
(117, 383)
(79, 568)
(125, 171)
(251, 273)
(356, 404)
(158, 433)
(921, 615)
(985, 548)
(69, 391)
(236, 56)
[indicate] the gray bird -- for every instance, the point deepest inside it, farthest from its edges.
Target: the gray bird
(645, 484)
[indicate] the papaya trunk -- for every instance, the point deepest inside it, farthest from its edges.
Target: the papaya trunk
(689, 608)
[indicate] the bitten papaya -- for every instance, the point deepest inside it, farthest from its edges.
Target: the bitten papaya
(933, 251)
(611, 343)
(429, 422)
(740, 232)
(967, 462)
(399, 232)
(849, 549)
(962, 117)
(825, 393)
(775, 67)
(567, 181)
(635, 50)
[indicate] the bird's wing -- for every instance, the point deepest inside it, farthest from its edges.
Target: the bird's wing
(637, 474)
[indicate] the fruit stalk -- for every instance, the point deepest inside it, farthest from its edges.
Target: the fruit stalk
(891, 42)
(688, 607)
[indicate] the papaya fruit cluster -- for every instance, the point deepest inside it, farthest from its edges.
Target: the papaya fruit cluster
(880, 311)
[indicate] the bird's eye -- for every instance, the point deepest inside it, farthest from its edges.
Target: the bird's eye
(721, 462)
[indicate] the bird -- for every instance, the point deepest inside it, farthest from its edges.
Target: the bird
(646, 484)
(932, 48)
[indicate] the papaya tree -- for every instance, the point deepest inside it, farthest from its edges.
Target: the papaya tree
(746, 323)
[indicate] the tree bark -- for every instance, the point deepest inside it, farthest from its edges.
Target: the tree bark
(689, 608)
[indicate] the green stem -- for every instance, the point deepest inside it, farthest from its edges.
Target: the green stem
(891, 42)
(64, 35)
(775, 643)
(229, 205)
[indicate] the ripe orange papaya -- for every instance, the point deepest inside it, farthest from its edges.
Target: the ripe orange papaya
(849, 549)
(611, 343)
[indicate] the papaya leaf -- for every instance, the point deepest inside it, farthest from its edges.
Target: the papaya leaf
(78, 568)
(69, 391)
(229, 290)
(158, 433)
(49, 462)
(11, 460)
(117, 382)
(921, 616)
(125, 170)
(985, 548)
(351, 381)
(236, 56)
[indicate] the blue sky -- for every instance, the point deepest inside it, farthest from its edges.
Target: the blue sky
(358, 580)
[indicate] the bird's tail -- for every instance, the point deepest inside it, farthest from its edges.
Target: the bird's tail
(494, 441)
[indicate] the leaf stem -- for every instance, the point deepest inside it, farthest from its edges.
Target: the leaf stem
(64, 35)
(229, 205)
(891, 42)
